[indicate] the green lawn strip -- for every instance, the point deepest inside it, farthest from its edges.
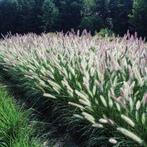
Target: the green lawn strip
(16, 130)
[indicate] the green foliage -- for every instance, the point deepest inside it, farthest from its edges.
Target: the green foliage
(23, 16)
(69, 14)
(138, 18)
(8, 15)
(91, 23)
(28, 16)
(14, 124)
(50, 15)
(106, 32)
(120, 9)
(95, 15)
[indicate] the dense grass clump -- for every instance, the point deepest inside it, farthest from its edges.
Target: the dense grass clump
(15, 128)
(98, 85)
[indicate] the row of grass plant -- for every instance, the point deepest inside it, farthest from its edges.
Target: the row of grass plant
(98, 85)
(16, 130)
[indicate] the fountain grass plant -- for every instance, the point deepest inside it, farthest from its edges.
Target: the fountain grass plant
(98, 85)
(15, 128)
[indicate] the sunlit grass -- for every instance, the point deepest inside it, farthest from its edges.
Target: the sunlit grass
(15, 129)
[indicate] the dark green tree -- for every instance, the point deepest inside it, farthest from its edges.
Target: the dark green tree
(103, 11)
(29, 17)
(69, 14)
(138, 19)
(23, 16)
(96, 15)
(8, 16)
(50, 16)
(119, 12)
(89, 20)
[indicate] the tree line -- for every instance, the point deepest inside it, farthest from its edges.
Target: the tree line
(23, 16)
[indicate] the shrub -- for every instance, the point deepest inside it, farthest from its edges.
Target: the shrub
(105, 32)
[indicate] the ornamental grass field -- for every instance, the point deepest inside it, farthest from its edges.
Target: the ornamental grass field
(96, 87)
